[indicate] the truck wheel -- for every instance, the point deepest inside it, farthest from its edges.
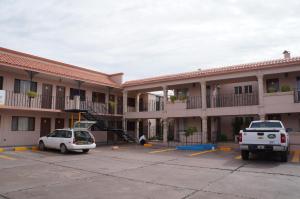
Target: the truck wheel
(245, 155)
(284, 156)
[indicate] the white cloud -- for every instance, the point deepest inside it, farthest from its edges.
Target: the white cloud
(151, 37)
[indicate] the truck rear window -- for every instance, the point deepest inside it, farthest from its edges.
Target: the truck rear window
(266, 125)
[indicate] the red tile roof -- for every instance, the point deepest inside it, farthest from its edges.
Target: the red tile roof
(11, 58)
(216, 71)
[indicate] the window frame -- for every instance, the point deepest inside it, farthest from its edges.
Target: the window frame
(15, 123)
(276, 87)
(32, 86)
(76, 92)
(248, 89)
(1, 82)
(238, 90)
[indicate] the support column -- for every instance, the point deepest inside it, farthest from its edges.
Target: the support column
(165, 130)
(165, 91)
(124, 110)
(203, 95)
(137, 129)
(204, 129)
(137, 103)
(260, 82)
(107, 101)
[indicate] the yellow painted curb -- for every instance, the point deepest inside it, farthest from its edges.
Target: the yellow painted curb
(148, 145)
(202, 152)
(2, 150)
(226, 149)
(34, 148)
(160, 151)
(21, 148)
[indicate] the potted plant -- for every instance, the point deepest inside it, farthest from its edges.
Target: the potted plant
(31, 94)
(173, 98)
(285, 88)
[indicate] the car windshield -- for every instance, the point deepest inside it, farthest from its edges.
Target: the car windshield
(266, 124)
(82, 136)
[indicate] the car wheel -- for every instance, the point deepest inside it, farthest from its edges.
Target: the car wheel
(284, 156)
(42, 146)
(63, 148)
(85, 150)
(245, 155)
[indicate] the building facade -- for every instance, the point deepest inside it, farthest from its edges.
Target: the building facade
(38, 95)
(218, 102)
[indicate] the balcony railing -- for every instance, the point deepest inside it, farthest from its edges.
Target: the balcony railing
(231, 100)
(151, 105)
(297, 95)
(193, 102)
(23, 100)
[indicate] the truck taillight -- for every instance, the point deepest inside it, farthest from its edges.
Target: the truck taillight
(282, 138)
(240, 137)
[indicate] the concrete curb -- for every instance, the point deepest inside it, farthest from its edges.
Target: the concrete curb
(19, 148)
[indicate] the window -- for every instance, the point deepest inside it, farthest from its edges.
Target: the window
(266, 124)
(24, 86)
(98, 97)
(248, 89)
(1, 83)
(131, 102)
(182, 93)
(76, 92)
(272, 85)
(238, 90)
(22, 123)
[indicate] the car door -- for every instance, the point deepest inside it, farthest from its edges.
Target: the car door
(49, 140)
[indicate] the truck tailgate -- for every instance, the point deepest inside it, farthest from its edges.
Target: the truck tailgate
(261, 136)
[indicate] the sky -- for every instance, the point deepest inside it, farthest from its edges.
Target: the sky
(146, 38)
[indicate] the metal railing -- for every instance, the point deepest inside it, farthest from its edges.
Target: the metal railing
(23, 100)
(297, 95)
(151, 105)
(231, 100)
(179, 138)
(193, 102)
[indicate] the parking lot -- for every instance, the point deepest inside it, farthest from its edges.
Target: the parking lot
(138, 172)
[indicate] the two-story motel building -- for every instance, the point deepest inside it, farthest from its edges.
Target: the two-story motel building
(38, 95)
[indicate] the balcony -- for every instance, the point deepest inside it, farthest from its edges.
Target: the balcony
(232, 100)
(151, 106)
(282, 102)
(52, 103)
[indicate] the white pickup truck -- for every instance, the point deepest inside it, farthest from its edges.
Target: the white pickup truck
(267, 135)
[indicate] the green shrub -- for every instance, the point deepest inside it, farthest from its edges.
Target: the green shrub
(285, 88)
(190, 131)
(222, 137)
(272, 90)
(182, 98)
(173, 98)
